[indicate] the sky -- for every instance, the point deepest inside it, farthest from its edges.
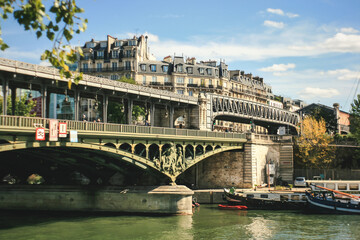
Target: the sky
(308, 49)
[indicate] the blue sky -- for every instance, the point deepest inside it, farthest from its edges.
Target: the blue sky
(307, 49)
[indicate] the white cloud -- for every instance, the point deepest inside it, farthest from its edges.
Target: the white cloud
(282, 13)
(349, 30)
(313, 92)
(342, 43)
(292, 15)
(343, 74)
(278, 68)
(275, 11)
(269, 23)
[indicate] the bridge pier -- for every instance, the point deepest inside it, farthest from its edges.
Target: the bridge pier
(147, 200)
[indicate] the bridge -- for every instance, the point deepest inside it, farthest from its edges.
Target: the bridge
(168, 151)
(105, 148)
(162, 107)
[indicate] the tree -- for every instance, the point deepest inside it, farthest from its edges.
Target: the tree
(62, 23)
(355, 118)
(313, 144)
(127, 80)
(23, 106)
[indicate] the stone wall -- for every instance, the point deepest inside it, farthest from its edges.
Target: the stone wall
(158, 200)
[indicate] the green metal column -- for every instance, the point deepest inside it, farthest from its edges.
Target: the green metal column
(105, 107)
(43, 100)
(13, 100)
(5, 84)
(171, 116)
(129, 110)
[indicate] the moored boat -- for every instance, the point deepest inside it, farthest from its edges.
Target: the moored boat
(267, 200)
(232, 207)
(325, 200)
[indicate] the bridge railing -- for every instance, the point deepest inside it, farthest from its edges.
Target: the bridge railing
(33, 122)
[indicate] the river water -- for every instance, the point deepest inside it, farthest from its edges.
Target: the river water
(208, 222)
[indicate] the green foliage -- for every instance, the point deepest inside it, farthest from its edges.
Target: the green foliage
(138, 111)
(127, 80)
(116, 112)
(63, 23)
(355, 119)
(23, 106)
(329, 116)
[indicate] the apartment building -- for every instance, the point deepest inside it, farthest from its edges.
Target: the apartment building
(115, 58)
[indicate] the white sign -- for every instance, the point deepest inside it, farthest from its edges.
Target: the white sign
(40, 134)
(73, 136)
(281, 131)
(62, 130)
(53, 130)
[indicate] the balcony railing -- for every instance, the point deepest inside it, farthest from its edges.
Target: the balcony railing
(192, 85)
(30, 123)
(106, 69)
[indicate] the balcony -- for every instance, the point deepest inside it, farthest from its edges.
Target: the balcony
(192, 85)
(106, 69)
(219, 87)
(155, 84)
(168, 84)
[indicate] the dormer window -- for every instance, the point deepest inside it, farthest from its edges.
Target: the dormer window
(100, 54)
(118, 43)
(115, 54)
(143, 67)
(90, 45)
(153, 68)
(180, 68)
(190, 70)
(209, 71)
(165, 68)
(132, 43)
(103, 44)
(201, 70)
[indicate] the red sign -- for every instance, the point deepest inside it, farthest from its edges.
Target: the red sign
(40, 134)
(62, 130)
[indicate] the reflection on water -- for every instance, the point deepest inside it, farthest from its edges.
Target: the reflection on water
(208, 222)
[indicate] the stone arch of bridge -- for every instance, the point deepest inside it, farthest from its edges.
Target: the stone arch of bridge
(171, 159)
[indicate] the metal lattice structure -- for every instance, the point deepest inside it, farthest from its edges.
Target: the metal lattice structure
(239, 110)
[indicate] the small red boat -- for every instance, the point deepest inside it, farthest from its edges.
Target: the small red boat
(232, 207)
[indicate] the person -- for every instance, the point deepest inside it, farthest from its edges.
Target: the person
(146, 123)
(180, 125)
(84, 117)
(98, 120)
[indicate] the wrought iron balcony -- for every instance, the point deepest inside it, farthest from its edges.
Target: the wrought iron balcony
(106, 69)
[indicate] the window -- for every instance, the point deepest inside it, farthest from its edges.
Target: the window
(190, 70)
(202, 81)
(153, 68)
(144, 80)
(191, 81)
(127, 65)
(99, 67)
(128, 53)
(210, 82)
(165, 68)
(191, 93)
(90, 45)
(132, 43)
(118, 43)
(100, 54)
(166, 79)
(209, 71)
(180, 80)
(143, 67)
(180, 91)
(201, 70)
(179, 68)
(114, 66)
(114, 77)
(85, 67)
(115, 54)
(86, 56)
(103, 44)
(154, 79)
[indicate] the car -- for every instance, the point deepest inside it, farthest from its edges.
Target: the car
(300, 182)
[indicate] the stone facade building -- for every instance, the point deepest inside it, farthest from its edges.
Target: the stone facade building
(116, 58)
